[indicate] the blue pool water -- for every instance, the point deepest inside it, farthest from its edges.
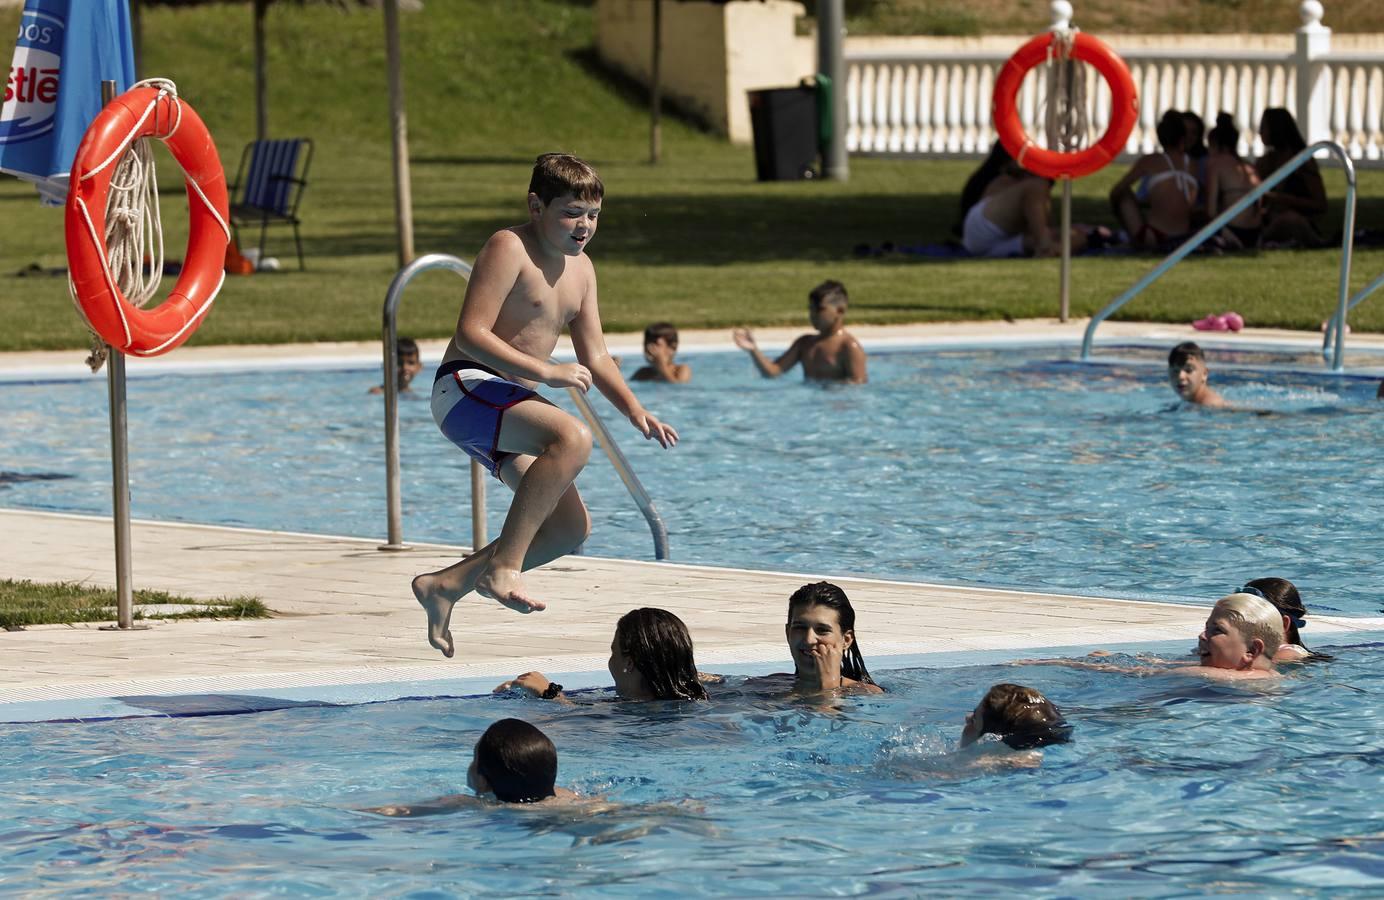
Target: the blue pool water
(1172, 787)
(1011, 467)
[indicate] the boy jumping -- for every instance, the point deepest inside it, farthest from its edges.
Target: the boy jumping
(528, 282)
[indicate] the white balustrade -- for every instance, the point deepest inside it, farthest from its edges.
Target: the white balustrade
(939, 104)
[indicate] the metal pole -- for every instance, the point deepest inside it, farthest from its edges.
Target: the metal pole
(1066, 249)
(831, 29)
(656, 88)
(478, 538)
(261, 79)
(398, 126)
(120, 463)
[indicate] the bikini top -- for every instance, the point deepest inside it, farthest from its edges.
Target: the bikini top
(1187, 182)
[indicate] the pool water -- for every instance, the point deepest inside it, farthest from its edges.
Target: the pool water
(1009, 467)
(1172, 787)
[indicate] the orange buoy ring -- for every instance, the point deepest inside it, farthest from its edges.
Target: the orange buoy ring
(137, 113)
(1124, 108)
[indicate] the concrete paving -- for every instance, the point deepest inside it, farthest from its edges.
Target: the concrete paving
(344, 613)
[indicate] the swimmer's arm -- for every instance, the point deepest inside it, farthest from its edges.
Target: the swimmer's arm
(855, 363)
(428, 808)
(492, 280)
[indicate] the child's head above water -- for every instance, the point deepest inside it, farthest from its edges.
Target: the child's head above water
(651, 657)
(1187, 372)
(826, 305)
(1020, 716)
(661, 331)
(1242, 632)
(514, 761)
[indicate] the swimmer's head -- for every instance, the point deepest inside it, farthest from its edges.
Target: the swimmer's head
(514, 761)
(1283, 594)
(410, 364)
(651, 656)
(828, 607)
(661, 331)
(562, 174)
(1242, 632)
(1020, 716)
(826, 305)
(1187, 372)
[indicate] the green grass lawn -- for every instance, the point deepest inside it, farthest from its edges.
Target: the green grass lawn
(32, 603)
(694, 240)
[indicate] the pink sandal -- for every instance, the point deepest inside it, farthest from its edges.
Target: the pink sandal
(1211, 323)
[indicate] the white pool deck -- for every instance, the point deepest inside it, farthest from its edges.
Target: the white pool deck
(344, 613)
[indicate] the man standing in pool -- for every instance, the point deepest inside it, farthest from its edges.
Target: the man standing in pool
(529, 281)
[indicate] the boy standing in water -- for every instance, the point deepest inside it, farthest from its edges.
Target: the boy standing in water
(832, 354)
(528, 282)
(1187, 374)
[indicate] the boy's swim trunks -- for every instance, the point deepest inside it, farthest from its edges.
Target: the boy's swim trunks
(468, 403)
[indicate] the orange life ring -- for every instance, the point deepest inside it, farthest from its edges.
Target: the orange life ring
(137, 113)
(1124, 108)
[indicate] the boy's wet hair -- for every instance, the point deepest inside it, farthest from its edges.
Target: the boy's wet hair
(559, 174)
(664, 330)
(829, 291)
(1253, 617)
(1185, 351)
(405, 345)
(1284, 596)
(517, 761)
(658, 645)
(1023, 718)
(824, 593)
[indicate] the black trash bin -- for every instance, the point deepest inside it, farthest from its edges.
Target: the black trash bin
(785, 133)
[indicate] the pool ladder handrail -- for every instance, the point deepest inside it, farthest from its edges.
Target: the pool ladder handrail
(1335, 335)
(394, 500)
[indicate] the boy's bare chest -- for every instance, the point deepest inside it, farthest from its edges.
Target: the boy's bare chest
(825, 353)
(536, 298)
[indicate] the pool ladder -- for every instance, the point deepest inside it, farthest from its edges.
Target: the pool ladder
(1333, 343)
(478, 474)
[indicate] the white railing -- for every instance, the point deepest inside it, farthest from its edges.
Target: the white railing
(938, 104)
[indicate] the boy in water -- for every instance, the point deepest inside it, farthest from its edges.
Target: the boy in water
(514, 762)
(660, 346)
(1020, 716)
(410, 364)
(1187, 374)
(832, 354)
(528, 282)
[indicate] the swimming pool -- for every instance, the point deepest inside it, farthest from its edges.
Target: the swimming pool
(1172, 787)
(1007, 466)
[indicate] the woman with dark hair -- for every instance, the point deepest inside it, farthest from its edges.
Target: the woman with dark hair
(1283, 594)
(1298, 200)
(821, 637)
(1172, 190)
(650, 659)
(1228, 179)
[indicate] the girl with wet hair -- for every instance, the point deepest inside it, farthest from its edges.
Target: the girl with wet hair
(1283, 594)
(821, 637)
(1020, 716)
(650, 659)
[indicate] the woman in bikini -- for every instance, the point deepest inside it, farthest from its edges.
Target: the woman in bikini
(1228, 179)
(1173, 190)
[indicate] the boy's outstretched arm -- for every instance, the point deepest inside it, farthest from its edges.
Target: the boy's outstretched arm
(589, 342)
(768, 368)
(492, 278)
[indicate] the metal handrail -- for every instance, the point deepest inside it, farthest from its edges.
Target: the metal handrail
(391, 426)
(1333, 326)
(1216, 224)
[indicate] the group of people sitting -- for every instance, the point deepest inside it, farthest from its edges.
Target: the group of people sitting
(1246, 635)
(1164, 197)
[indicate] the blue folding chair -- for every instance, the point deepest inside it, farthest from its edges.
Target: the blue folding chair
(269, 185)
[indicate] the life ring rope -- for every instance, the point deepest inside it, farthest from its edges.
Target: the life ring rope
(151, 109)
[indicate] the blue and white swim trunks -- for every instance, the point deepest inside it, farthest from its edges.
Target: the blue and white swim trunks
(468, 403)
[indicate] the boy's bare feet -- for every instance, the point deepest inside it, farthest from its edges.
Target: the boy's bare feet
(439, 610)
(506, 586)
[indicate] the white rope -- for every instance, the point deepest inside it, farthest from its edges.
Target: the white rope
(134, 226)
(1065, 115)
